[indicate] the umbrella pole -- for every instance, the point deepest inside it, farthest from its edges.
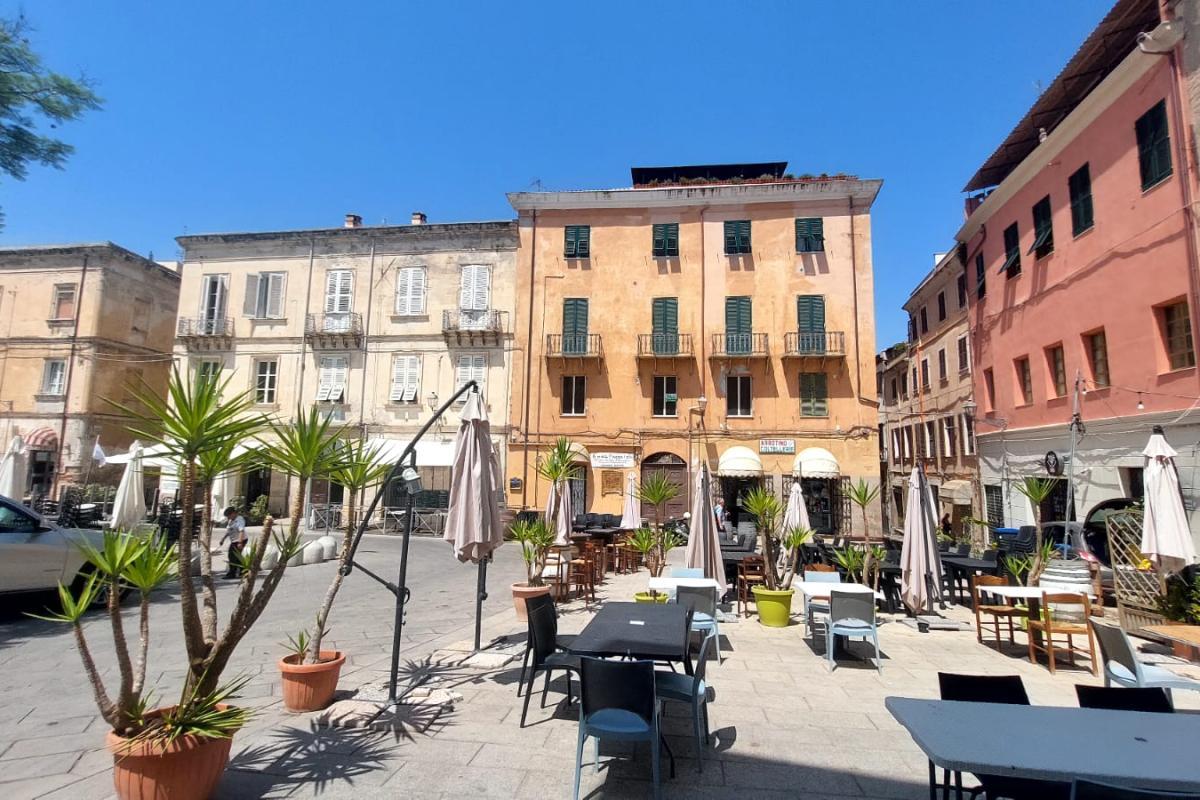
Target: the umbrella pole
(480, 596)
(401, 596)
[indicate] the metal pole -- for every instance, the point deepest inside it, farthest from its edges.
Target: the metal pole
(1076, 423)
(401, 594)
(480, 596)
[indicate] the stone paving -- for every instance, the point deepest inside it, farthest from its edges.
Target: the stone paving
(783, 724)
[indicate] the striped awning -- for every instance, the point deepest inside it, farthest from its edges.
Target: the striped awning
(42, 439)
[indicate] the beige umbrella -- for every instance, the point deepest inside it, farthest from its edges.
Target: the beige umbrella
(558, 509)
(703, 547)
(129, 504)
(796, 515)
(1166, 537)
(631, 515)
(473, 524)
(13, 470)
(920, 564)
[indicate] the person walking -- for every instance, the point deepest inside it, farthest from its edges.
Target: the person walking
(235, 532)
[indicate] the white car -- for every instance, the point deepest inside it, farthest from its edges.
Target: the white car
(36, 554)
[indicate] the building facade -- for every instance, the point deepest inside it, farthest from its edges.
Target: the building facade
(720, 314)
(82, 325)
(1083, 276)
(377, 326)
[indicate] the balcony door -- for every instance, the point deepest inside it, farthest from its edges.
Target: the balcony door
(665, 326)
(474, 297)
(739, 325)
(214, 293)
(339, 299)
(575, 326)
(810, 322)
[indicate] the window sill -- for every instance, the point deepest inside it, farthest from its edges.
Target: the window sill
(60, 323)
(577, 258)
(49, 398)
(422, 317)
(664, 256)
(808, 252)
(1147, 189)
(266, 406)
(1083, 232)
(267, 320)
(664, 416)
(574, 416)
(814, 416)
(965, 371)
(739, 416)
(1176, 371)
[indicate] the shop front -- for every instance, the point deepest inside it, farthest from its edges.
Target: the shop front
(739, 471)
(825, 491)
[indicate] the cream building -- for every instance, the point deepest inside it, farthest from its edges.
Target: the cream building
(377, 325)
(80, 325)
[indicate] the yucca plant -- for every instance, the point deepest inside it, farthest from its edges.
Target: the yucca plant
(766, 510)
(850, 559)
(536, 538)
(557, 468)
(1037, 491)
(863, 495)
(790, 543)
(656, 490)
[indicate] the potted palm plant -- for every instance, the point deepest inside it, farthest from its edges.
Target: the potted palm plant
(535, 538)
(863, 495)
(657, 490)
(781, 552)
(1037, 491)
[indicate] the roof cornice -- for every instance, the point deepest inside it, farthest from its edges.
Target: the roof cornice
(862, 192)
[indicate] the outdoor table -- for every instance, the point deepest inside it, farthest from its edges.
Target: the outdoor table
(670, 584)
(1033, 596)
(648, 631)
(819, 590)
(1186, 635)
(964, 567)
(1050, 743)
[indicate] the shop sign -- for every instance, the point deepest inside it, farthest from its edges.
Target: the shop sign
(612, 460)
(768, 446)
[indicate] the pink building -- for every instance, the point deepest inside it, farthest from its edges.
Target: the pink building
(1082, 275)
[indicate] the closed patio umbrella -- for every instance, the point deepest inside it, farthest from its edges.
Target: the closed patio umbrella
(1166, 537)
(13, 470)
(703, 547)
(129, 504)
(631, 514)
(558, 508)
(796, 515)
(921, 568)
(473, 525)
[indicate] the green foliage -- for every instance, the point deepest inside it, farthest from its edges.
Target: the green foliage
(307, 447)
(863, 494)
(795, 538)
(359, 464)
(536, 539)
(73, 607)
(851, 560)
(657, 490)
(209, 716)
(154, 565)
(258, 509)
(1181, 602)
(116, 553)
(669, 540)
(765, 508)
(642, 540)
(557, 466)
(1038, 490)
(298, 643)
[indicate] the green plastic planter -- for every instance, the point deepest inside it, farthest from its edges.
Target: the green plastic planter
(646, 597)
(774, 606)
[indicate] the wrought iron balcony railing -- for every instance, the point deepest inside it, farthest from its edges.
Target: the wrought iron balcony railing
(587, 345)
(333, 331)
(472, 327)
(740, 345)
(665, 345)
(802, 344)
(189, 327)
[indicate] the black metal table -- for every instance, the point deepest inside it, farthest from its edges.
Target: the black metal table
(650, 631)
(962, 567)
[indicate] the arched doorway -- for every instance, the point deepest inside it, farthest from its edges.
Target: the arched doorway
(675, 470)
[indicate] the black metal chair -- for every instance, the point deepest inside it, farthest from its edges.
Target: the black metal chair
(545, 659)
(1089, 790)
(561, 641)
(693, 691)
(1151, 699)
(1007, 689)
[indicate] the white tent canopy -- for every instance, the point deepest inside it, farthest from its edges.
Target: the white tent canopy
(816, 462)
(739, 462)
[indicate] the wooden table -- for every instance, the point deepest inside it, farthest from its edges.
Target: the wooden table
(1051, 743)
(1033, 596)
(1186, 637)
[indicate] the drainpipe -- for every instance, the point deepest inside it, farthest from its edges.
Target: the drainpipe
(70, 369)
(854, 285)
(704, 366)
(529, 360)
(312, 246)
(362, 403)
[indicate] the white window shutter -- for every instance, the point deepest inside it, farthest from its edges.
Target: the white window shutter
(276, 290)
(416, 301)
(466, 289)
(474, 288)
(399, 375)
(250, 304)
(339, 289)
(403, 290)
(483, 288)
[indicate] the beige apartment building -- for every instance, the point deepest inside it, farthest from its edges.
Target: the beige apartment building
(376, 325)
(925, 416)
(80, 324)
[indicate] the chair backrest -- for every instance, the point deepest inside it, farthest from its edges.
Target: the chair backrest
(624, 685)
(980, 584)
(1152, 698)
(815, 575)
(991, 555)
(754, 565)
(687, 572)
(1064, 607)
(851, 606)
(819, 568)
(543, 627)
(1088, 790)
(1007, 689)
(1115, 646)
(536, 602)
(702, 664)
(963, 550)
(700, 599)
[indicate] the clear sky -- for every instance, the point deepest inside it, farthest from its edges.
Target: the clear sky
(266, 115)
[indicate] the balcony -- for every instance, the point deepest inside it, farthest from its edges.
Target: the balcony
(820, 344)
(586, 345)
(333, 331)
(205, 333)
(665, 345)
(740, 345)
(472, 328)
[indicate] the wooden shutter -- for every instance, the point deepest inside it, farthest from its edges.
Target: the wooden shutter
(738, 315)
(276, 291)
(665, 315)
(810, 313)
(474, 290)
(810, 234)
(250, 303)
(470, 368)
(410, 291)
(406, 378)
(339, 289)
(659, 239)
(212, 300)
(332, 379)
(575, 317)
(814, 399)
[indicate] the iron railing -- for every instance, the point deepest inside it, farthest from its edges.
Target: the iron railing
(584, 345)
(204, 326)
(665, 345)
(349, 323)
(818, 343)
(465, 321)
(735, 345)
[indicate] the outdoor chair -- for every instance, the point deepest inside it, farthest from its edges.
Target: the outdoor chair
(1122, 667)
(703, 603)
(582, 577)
(851, 614)
(693, 691)
(989, 605)
(618, 702)
(1089, 790)
(1007, 689)
(1153, 700)
(555, 571)
(818, 573)
(752, 571)
(561, 641)
(687, 572)
(1052, 624)
(542, 628)
(963, 550)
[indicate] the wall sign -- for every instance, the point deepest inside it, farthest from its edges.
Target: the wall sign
(611, 481)
(786, 446)
(612, 460)
(514, 484)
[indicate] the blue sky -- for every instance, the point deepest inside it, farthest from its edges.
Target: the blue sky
(236, 116)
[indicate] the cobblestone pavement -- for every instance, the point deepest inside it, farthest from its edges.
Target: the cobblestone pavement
(784, 725)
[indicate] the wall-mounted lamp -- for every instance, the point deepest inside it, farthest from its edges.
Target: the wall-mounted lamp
(1140, 406)
(412, 480)
(702, 403)
(431, 400)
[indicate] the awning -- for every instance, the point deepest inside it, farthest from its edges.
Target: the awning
(816, 462)
(579, 454)
(739, 462)
(430, 452)
(956, 492)
(41, 439)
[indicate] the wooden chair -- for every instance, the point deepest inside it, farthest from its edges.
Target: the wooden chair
(988, 605)
(555, 573)
(820, 568)
(582, 576)
(1048, 626)
(752, 571)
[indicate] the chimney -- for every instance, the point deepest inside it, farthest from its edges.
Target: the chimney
(418, 218)
(353, 221)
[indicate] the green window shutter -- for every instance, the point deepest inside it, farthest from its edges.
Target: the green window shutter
(731, 241)
(744, 235)
(814, 395)
(1043, 228)
(575, 325)
(810, 235)
(810, 323)
(980, 276)
(665, 319)
(658, 240)
(738, 325)
(665, 239)
(1080, 187)
(672, 238)
(577, 241)
(1012, 251)
(1154, 145)
(569, 241)
(737, 236)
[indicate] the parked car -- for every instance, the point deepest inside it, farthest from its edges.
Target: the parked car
(35, 553)
(1095, 534)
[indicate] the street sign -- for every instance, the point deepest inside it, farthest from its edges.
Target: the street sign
(768, 446)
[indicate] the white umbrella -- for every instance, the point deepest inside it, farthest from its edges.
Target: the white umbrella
(919, 557)
(703, 547)
(796, 515)
(13, 470)
(558, 507)
(1166, 537)
(129, 504)
(631, 515)
(473, 524)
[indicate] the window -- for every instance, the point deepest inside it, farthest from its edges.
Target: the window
(339, 291)
(994, 500)
(214, 289)
(980, 276)
(1024, 380)
(1097, 350)
(406, 379)
(1177, 329)
(739, 325)
(577, 241)
(411, 286)
(666, 398)
(941, 301)
(573, 393)
(665, 239)
(916, 381)
(810, 235)
(989, 385)
(331, 379)
(1154, 145)
(264, 295)
(814, 394)
(1056, 363)
(1012, 251)
(961, 286)
(897, 449)
(904, 385)
(964, 356)
(1079, 185)
(474, 296)
(64, 302)
(912, 328)
(968, 437)
(924, 320)
(925, 374)
(950, 434)
(942, 374)
(575, 325)
(266, 376)
(54, 376)
(737, 236)
(737, 396)
(920, 443)
(1043, 229)
(208, 371)
(664, 325)
(895, 395)
(810, 322)
(931, 439)
(471, 368)
(908, 443)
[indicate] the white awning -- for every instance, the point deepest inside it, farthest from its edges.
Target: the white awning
(579, 454)
(816, 462)
(430, 452)
(739, 462)
(956, 492)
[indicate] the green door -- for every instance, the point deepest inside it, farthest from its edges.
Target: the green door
(810, 323)
(665, 322)
(738, 326)
(575, 326)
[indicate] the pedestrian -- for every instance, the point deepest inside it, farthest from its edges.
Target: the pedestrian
(235, 532)
(719, 513)
(947, 527)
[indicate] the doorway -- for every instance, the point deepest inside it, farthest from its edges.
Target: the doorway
(41, 473)
(674, 469)
(1054, 508)
(733, 492)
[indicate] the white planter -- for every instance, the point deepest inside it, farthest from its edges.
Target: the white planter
(329, 546)
(270, 557)
(313, 553)
(297, 559)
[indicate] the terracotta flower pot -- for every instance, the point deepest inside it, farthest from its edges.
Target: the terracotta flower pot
(188, 768)
(522, 592)
(310, 687)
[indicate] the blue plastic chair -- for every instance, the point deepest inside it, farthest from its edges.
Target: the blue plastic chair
(812, 607)
(1122, 666)
(703, 603)
(693, 691)
(618, 702)
(686, 572)
(851, 614)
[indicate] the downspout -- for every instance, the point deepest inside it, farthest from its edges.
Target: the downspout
(312, 246)
(529, 360)
(62, 424)
(702, 446)
(857, 339)
(362, 403)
